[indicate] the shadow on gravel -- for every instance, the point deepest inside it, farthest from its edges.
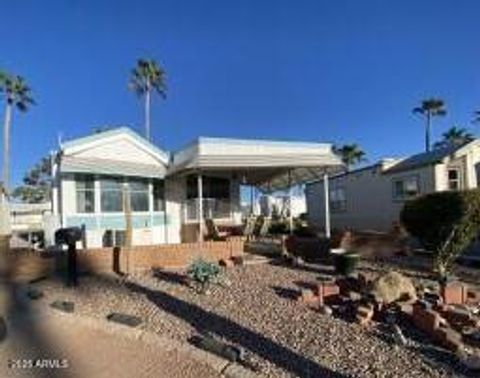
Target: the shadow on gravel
(23, 327)
(204, 321)
(172, 277)
(286, 293)
(321, 269)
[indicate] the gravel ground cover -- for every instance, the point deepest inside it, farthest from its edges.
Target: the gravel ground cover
(255, 308)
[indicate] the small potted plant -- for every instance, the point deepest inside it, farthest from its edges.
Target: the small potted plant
(345, 262)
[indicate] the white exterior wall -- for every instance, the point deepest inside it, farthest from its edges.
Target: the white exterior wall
(175, 195)
(119, 148)
(369, 198)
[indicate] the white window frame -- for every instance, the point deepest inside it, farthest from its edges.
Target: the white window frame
(405, 195)
(337, 205)
(458, 180)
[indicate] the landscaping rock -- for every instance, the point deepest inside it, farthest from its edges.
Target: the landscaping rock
(354, 296)
(364, 314)
(398, 336)
(3, 329)
(226, 263)
(393, 286)
(325, 310)
(34, 294)
(471, 360)
(64, 306)
(449, 339)
(125, 319)
(307, 296)
(209, 343)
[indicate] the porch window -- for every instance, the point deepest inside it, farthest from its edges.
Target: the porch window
(85, 193)
(138, 195)
(111, 190)
(453, 179)
(406, 188)
(158, 195)
(216, 197)
(338, 200)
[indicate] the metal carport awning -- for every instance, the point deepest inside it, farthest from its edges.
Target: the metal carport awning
(268, 165)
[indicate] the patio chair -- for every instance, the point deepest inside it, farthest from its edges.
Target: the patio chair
(249, 228)
(265, 227)
(262, 225)
(213, 232)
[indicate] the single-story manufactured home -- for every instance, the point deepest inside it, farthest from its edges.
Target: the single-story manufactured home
(170, 194)
(372, 197)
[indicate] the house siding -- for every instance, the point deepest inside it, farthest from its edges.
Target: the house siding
(369, 198)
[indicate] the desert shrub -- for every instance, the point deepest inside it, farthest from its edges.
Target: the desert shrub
(203, 273)
(444, 222)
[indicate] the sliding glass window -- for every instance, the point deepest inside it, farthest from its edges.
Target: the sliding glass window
(138, 194)
(85, 193)
(111, 190)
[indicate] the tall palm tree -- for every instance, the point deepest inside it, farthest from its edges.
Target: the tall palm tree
(350, 154)
(476, 116)
(432, 107)
(148, 77)
(454, 136)
(17, 94)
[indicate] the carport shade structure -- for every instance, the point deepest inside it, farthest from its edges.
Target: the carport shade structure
(268, 165)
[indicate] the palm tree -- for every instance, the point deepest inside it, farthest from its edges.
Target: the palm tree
(17, 94)
(454, 136)
(350, 154)
(148, 77)
(430, 108)
(476, 116)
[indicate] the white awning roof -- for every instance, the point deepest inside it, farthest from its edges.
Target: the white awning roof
(269, 165)
(71, 164)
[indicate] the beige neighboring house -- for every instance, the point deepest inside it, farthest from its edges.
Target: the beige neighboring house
(372, 197)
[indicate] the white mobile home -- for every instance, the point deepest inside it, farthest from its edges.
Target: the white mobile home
(170, 194)
(372, 197)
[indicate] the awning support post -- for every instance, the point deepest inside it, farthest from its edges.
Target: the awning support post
(200, 207)
(252, 188)
(326, 191)
(290, 215)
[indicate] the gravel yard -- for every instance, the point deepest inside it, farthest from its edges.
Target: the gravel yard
(255, 308)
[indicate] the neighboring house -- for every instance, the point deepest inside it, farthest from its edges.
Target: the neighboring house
(170, 193)
(282, 205)
(28, 217)
(372, 197)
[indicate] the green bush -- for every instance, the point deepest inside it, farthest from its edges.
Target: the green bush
(203, 273)
(444, 222)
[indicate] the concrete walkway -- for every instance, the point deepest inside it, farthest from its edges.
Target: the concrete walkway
(48, 343)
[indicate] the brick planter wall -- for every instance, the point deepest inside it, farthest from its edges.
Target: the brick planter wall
(142, 258)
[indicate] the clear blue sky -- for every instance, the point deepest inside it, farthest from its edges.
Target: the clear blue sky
(339, 71)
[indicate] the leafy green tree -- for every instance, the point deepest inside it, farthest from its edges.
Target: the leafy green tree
(37, 183)
(454, 136)
(17, 94)
(351, 154)
(148, 77)
(429, 109)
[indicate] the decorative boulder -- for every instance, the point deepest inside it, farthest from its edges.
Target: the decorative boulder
(392, 287)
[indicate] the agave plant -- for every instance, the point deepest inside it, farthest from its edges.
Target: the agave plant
(203, 273)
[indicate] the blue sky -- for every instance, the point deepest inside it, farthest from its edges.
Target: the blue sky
(340, 71)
